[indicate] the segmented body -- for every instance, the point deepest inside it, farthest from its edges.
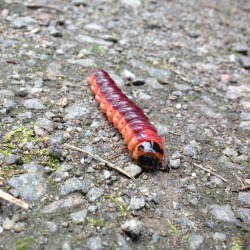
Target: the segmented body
(141, 137)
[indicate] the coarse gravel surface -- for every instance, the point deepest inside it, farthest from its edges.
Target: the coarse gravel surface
(186, 63)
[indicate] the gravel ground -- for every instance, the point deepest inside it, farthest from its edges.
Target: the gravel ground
(185, 63)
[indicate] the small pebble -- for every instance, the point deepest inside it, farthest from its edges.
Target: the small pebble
(218, 236)
(132, 227)
(94, 243)
(136, 203)
(175, 163)
(79, 217)
(19, 227)
(128, 75)
(245, 62)
(94, 193)
(133, 169)
(8, 224)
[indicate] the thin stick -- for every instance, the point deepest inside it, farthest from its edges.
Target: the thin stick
(109, 164)
(209, 171)
(39, 6)
(174, 133)
(13, 200)
(245, 188)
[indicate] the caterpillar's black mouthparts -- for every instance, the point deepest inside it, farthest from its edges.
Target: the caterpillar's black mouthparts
(148, 161)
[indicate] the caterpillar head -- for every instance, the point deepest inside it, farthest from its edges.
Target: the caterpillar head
(149, 154)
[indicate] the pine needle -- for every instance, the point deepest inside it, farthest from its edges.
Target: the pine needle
(109, 164)
(209, 171)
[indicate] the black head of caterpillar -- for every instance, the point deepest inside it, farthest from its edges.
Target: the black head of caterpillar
(150, 154)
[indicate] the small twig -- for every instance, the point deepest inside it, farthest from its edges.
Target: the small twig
(41, 6)
(109, 164)
(182, 77)
(212, 169)
(245, 188)
(209, 171)
(13, 200)
(174, 133)
(240, 180)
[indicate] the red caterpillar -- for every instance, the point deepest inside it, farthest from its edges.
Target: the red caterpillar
(143, 142)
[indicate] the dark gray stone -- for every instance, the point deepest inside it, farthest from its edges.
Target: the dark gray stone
(33, 104)
(245, 116)
(122, 243)
(94, 193)
(190, 150)
(77, 111)
(245, 126)
(244, 214)
(195, 241)
(219, 236)
(245, 62)
(94, 243)
(185, 222)
(55, 32)
(92, 208)
(31, 186)
(55, 151)
(244, 197)
(176, 155)
(57, 138)
(162, 129)
(9, 104)
(67, 202)
(230, 152)
(156, 237)
(136, 203)
(79, 217)
(86, 185)
(71, 185)
(6, 93)
(222, 213)
(13, 159)
(241, 48)
(46, 124)
(192, 188)
(49, 227)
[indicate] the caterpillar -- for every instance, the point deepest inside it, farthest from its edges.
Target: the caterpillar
(140, 136)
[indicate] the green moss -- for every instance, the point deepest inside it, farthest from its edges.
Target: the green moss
(120, 205)
(237, 243)
(5, 152)
(15, 139)
(20, 135)
(217, 197)
(116, 68)
(98, 49)
(72, 239)
(172, 229)
(23, 244)
(52, 162)
(95, 223)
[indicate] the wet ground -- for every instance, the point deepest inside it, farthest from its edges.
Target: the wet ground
(185, 63)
